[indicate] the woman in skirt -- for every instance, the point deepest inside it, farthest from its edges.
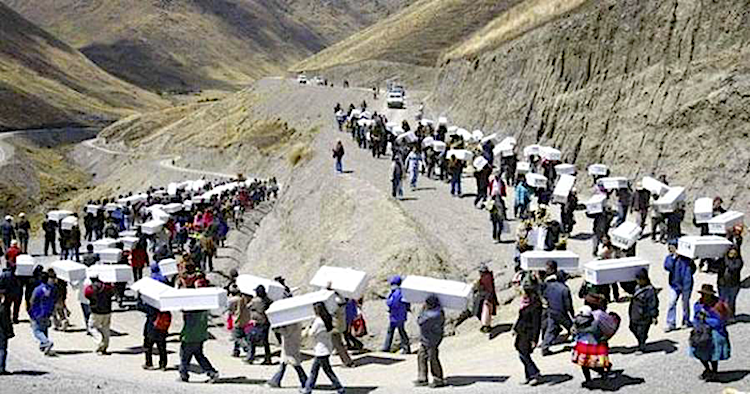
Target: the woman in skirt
(591, 350)
(712, 313)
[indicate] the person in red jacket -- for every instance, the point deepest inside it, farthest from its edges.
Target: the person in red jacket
(139, 258)
(100, 295)
(12, 253)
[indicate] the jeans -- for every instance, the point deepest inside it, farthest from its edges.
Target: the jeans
(529, 368)
(266, 347)
(161, 346)
(456, 184)
(414, 176)
(401, 332)
(325, 363)
(595, 240)
(396, 190)
(552, 323)
(99, 326)
(622, 214)
(674, 294)
(276, 379)
(3, 352)
(339, 166)
(429, 355)
(39, 328)
(190, 350)
(497, 227)
(729, 294)
(137, 273)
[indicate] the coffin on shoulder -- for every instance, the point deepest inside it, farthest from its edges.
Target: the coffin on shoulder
(598, 170)
(150, 291)
(152, 227)
(536, 180)
(671, 200)
(703, 247)
(595, 204)
(111, 256)
(201, 299)
(58, 215)
(656, 188)
(724, 222)
(248, 283)
(536, 260)
(348, 282)
(300, 308)
(565, 169)
(613, 183)
(625, 235)
(111, 273)
(703, 210)
(452, 294)
(523, 167)
(69, 271)
(69, 222)
(603, 272)
(25, 265)
(563, 187)
(168, 267)
(103, 244)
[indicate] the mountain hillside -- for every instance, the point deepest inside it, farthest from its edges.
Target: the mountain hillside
(185, 45)
(45, 82)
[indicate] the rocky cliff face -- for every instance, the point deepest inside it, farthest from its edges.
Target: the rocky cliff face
(647, 87)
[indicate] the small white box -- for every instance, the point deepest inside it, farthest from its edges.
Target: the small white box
(128, 242)
(248, 284)
(598, 170)
(173, 208)
(439, 146)
(112, 207)
(604, 272)
(536, 180)
(442, 121)
(705, 247)
(159, 193)
(129, 233)
(523, 167)
(160, 215)
(625, 235)
(349, 283)
(671, 200)
(201, 299)
(110, 256)
(550, 154)
(150, 291)
(92, 209)
(58, 215)
(25, 265)
(427, 142)
(656, 188)
(725, 221)
(565, 169)
(69, 222)
(536, 260)
(612, 183)
(465, 134)
(532, 150)
(152, 227)
(409, 137)
(503, 150)
(479, 163)
(595, 204)
(111, 273)
(537, 237)
(300, 308)
(103, 244)
(452, 294)
(168, 267)
(703, 210)
(461, 154)
(69, 271)
(563, 187)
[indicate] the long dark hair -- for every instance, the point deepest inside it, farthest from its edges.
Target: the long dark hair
(322, 313)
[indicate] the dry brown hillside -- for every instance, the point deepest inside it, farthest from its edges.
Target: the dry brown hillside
(183, 45)
(45, 82)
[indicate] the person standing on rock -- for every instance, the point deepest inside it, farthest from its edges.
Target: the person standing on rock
(320, 331)
(23, 230)
(41, 306)
(338, 155)
(431, 328)
(100, 296)
(50, 232)
(398, 310)
(526, 331)
(681, 270)
(644, 309)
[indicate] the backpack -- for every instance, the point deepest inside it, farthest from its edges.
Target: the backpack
(609, 323)
(163, 321)
(701, 339)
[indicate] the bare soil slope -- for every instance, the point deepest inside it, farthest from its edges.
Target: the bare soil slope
(185, 45)
(45, 82)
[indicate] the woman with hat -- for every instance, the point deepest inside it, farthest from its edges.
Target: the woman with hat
(527, 329)
(710, 319)
(591, 350)
(729, 279)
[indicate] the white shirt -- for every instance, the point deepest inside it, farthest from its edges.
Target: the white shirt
(323, 344)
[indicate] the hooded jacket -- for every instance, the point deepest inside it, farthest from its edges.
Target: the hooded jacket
(431, 325)
(681, 270)
(397, 308)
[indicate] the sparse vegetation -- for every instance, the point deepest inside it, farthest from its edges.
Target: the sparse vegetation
(299, 153)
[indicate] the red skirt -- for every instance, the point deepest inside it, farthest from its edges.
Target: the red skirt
(591, 355)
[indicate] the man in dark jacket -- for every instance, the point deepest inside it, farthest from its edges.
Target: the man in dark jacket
(192, 337)
(7, 231)
(602, 221)
(431, 325)
(12, 289)
(50, 232)
(23, 230)
(6, 333)
(559, 311)
(644, 309)
(729, 279)
(100, 296)
(258, 307)
(640, 203)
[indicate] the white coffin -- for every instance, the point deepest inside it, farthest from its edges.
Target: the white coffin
(409, 137)
(25, 265)
(536, 260)
(565, 169)
(703, 210)
(464, 134)
(110, 256)
(58, 215)
(112, 207)
(725, 221)
(93, 209)
(69, 271)
(151, 291)
(523, 167)
(625, 235)
(705, 247)
(563, 187)
(111, 273)
(152, 227)
(604, 272)
(427, 142)
(506, 147)
(426, 122)
(612, 183)
(160, 215)
(550, 153)
(173, 208)
(300, 308)
(452, 294)
(397, 130)
(669, 201)
(595, 204)
(477, 135)
(69, 222)
(168, 267)
(443, 121)
(598, 170)
(172, 189)
(133, 199)
(537, 237)
(188, 205)
(536, 180)
(248, 284)
(439, 146)
(104, 243)
(479, 163)
(349, 283)
(461, 154)
(532, 150)
(159, 193)
(491, 137)
(129, 233)
(128, 242)
(202, 299)
(655, 187)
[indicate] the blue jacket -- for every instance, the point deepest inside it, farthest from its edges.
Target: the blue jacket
(397, 308)
(44, 302)
(522, 194)
(706, 314)
(681, 270)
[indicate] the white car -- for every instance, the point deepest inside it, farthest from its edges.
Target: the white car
(395, 100)
(302, 80)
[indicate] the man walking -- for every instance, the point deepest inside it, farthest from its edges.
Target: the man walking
(12, 289)
(559, 307)
(50, 232)
(397, 311)
(431, 325)
(7, 231)
(23, 230)
(192, 337)
(681, 270)
(42, 304)
(100, 295)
